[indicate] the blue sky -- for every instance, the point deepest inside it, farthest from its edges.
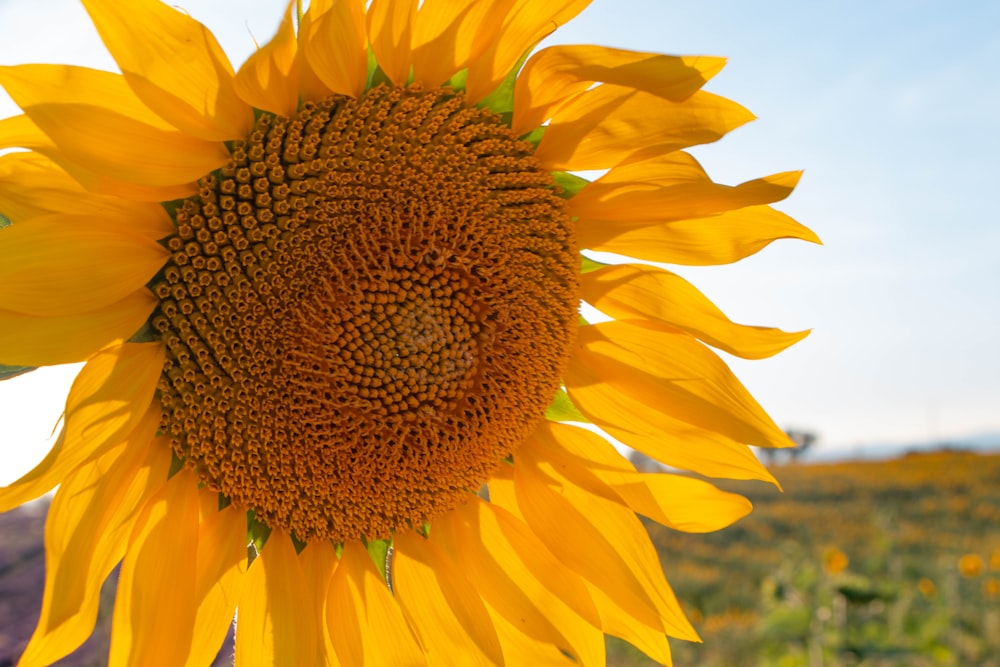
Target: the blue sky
(892, 110)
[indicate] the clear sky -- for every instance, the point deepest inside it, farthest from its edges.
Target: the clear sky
(891, 108)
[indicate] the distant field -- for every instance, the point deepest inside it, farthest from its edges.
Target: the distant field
(875, 564)
(889, 563)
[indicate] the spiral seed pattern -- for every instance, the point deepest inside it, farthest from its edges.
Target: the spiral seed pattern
(365, 311)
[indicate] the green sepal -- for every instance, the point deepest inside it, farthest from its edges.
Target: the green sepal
(146, 334)
(171, 208)
(257, 534)
(457, 81)
(297, 543)
(534, 137)
(501, 100)
(4, 221)
(176, 464)
(569, 183)
(224, 502)
(376, 75)
(562, 409)
(379, 551)
(587, 265)
(8, 372)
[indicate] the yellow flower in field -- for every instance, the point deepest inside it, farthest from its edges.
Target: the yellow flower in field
(326, 299)
(835, 561)
(926, 587)
(991, 588)
(971, 565)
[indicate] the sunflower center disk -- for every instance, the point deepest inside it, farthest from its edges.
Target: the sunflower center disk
(365, 312)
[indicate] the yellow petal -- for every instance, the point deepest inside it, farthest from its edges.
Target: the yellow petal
(57, 265)
(390, 23)
(525, 24)
(86, 533)
(600, 540)
(689, 381)
(680, 502)
(441, 606)
(28, 340)
(618, 621)
(641, 291)
(65, 102)
(519, 578)
(220, 575)
(614, 619)
(277, 623)
(448, 35)
(671, 187)
(21, 132)
(600, 128)
(522, 649)
(106, 402)
(556, 73)
(366, 624)
(33, 185)
(335, 44)
(647, 383)
(319, 560)
(31, 85)
(114, 145)
(174, 65)
(268, 79)
(720, 239)
(169, 519)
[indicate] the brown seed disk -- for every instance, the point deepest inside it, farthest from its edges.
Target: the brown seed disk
(365, 312)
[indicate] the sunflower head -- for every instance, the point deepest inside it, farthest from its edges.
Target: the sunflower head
(328, 304)
(365, 311)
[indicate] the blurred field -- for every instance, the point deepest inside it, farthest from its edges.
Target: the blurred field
(877, 564)
(890, 563)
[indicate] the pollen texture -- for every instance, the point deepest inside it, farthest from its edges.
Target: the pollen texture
(365, 312)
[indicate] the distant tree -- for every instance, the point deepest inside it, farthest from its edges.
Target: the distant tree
(804, 440)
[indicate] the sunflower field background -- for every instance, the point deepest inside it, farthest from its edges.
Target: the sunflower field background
(884, 563)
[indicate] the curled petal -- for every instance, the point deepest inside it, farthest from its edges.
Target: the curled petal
(556, 73)
(719, 239)
(641, 291)
(86, 534)
(602, 127)
(110, 398)
(671, 187)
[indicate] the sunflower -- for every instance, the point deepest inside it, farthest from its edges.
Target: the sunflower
(335, 371)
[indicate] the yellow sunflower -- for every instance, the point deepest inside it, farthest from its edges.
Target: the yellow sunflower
(328, 308)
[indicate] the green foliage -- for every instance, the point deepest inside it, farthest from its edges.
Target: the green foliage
(767, 592)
